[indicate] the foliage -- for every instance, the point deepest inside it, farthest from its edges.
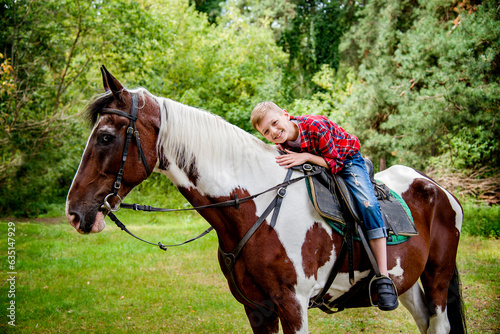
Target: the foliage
(44, 58)
(312, 38)
(309, 31)
(416, 81)
(51, 67)
(336, 89)
(481, 220)
(428, 81)
(211, 7)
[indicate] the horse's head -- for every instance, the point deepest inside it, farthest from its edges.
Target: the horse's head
(115, 160)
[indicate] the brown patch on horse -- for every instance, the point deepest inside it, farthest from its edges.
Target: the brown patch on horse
(264, 272)
(163, 162)
(316, 250)
(192, 172)
(442, 239)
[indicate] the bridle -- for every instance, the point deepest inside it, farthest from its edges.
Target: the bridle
(131, 131)
(107, 209)
(228, 258)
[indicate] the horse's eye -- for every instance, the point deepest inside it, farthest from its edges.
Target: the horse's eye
(105, 139)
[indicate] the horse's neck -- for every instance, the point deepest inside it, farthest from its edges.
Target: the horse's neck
(207, 153)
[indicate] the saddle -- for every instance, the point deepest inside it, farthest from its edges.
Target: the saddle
(335, 203)
(325, 190)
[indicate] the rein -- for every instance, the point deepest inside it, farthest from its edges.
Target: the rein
(280, 194)
(106, 208)
(229, 259)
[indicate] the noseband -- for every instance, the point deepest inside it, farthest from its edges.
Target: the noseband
(131, 131)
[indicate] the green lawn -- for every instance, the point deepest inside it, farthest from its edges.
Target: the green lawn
(110, 282)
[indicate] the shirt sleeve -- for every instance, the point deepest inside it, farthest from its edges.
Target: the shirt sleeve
(329, 151)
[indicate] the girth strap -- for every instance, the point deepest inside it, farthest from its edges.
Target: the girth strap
(229, 259)
(318, 300)
(353, 223)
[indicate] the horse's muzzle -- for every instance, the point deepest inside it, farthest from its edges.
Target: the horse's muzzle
(77, 220)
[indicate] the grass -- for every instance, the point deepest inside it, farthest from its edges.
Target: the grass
(110, 282)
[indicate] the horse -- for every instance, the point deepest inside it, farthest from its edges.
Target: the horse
(283, 265)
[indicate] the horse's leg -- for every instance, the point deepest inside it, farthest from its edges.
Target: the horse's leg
(291, 314)
(444, 293)
(414, 301)
(263, 321)
(436, 280)
(431, 318)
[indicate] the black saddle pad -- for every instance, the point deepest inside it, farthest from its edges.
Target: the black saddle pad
(326, 189)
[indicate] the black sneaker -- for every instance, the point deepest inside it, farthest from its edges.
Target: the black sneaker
(387, 296)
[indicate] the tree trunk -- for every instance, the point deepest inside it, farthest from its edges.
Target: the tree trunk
(382, 164)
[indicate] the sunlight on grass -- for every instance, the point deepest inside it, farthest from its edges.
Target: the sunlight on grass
(110, 282)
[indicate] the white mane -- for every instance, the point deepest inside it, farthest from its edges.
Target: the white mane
(193, 137)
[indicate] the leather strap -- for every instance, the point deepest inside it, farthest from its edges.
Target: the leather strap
(131, 131)
(234, 202)
(280, 195)
(159, 244)
(229, 259)
(318, 300)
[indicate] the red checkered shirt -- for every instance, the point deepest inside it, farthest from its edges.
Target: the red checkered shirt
(320, 136)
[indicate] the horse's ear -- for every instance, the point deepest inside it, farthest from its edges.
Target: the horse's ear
(110, 83)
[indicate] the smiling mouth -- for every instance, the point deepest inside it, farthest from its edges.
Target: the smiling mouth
(278, 136)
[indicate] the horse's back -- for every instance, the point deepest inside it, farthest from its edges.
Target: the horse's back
(423, 194)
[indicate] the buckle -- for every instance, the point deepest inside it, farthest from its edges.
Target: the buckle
(307, 167)
(315, 304)
(281, 192)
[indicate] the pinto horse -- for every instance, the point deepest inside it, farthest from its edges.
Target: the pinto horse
(281, 267)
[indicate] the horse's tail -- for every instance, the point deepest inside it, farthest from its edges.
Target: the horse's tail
(455, 306)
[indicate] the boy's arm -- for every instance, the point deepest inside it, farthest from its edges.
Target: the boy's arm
(294, 159)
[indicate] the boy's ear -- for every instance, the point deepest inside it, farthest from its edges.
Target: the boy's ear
(286, 114)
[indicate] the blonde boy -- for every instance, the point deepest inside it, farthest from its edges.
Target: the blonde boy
(316, 139)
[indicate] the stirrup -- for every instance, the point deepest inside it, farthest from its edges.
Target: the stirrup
(375, 278)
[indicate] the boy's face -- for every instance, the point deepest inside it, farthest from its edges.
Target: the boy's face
(276, 126)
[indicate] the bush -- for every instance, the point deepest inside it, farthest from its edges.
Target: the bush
(481, 220)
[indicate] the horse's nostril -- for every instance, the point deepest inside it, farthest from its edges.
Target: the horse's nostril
(74, 220)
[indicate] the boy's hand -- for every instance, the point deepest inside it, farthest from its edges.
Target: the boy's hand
(294, 159)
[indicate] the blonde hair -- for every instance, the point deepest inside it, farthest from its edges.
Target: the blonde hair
(261, 110)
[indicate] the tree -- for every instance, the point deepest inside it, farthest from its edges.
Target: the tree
(53, 50)
(428, 81)
(312, 39)
(308, 31)
(211, 7)
(42, 60)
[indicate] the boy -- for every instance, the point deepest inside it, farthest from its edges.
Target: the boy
(316, 139)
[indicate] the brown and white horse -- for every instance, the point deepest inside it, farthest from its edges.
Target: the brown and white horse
(281, 267)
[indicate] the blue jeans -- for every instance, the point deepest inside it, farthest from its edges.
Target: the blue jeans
(356, 176)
